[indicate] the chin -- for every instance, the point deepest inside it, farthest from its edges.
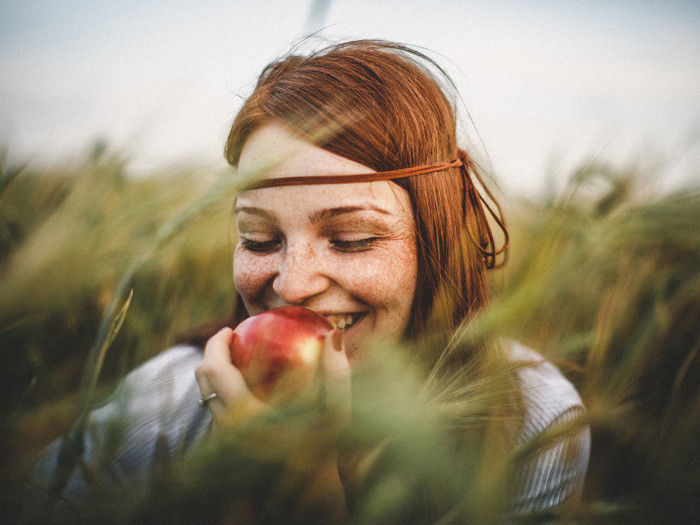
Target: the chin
(360, 340)
(353, 345)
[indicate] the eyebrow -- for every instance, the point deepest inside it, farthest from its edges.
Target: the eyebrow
(341, 210)
(318, 216)
(254, 211)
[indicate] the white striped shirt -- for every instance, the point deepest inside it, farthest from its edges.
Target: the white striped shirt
(158, 402)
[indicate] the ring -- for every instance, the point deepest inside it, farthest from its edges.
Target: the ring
(205, 400)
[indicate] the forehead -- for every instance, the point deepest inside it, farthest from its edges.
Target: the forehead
(278, 153)
(302, 202)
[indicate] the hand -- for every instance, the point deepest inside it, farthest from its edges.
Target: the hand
(234, 402)
(337, 376)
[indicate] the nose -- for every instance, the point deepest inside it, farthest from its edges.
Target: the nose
(300, 275)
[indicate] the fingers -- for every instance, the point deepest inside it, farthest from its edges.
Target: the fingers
(337, 375)
(216, 370)
(216, 374)
(234, 402)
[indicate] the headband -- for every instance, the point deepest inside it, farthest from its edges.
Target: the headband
(483, 240)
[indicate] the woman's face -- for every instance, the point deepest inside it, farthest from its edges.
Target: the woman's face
(347, 251)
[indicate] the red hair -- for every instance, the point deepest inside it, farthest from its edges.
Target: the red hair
(388, 108)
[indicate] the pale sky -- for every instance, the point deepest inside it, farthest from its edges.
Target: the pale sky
(546, 83)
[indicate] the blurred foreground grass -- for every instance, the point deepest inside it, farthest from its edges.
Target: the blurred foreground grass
(67, 235)
(603, 279)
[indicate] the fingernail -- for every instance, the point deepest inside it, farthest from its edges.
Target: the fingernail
(337, 340)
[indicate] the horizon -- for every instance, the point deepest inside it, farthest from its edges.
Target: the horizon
(547, 85)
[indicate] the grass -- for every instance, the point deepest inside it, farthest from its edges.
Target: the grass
(603, 279)
(71, 237)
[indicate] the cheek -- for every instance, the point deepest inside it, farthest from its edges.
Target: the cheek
(250, 275)
(388, 282)
(401, 278)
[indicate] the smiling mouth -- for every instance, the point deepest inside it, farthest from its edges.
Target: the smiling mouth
(343, 321)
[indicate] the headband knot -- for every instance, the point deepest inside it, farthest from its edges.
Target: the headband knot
(464, 157)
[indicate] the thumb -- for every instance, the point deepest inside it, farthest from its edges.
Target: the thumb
(337, 376)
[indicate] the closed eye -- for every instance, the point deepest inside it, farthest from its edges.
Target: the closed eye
(356, 245)
(259, 246)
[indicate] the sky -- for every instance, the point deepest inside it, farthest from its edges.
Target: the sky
(546, 84)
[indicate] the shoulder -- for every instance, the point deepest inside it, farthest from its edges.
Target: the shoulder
(173, 360)
(157, 386)
(173, 365)
(554, 470)
(157, 399)
(548, 396)
(153, 412)
(163, 390)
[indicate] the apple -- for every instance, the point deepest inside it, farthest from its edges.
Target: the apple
(278, 351)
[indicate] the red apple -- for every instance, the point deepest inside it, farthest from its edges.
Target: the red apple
(278, 351)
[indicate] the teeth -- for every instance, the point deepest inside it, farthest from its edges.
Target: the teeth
(344, 324)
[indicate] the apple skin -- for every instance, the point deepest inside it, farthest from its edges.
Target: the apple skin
(278, 351)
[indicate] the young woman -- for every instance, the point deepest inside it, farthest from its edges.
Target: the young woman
(367, 213)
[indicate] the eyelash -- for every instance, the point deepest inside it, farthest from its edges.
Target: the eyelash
(354, 246)
(343, 246)
(259, 246)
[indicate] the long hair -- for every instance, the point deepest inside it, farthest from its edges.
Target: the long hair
(387, 107)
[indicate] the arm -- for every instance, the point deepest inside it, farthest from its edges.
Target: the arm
(552, 475)
(282, 441)
(153, 415)
(554, 472)
(234, 402)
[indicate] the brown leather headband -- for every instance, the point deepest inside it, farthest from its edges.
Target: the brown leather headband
(358, 177)
(483, 240)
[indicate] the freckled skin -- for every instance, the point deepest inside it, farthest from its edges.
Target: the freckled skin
(336, 249)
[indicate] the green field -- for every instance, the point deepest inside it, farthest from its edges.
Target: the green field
(603, 277)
